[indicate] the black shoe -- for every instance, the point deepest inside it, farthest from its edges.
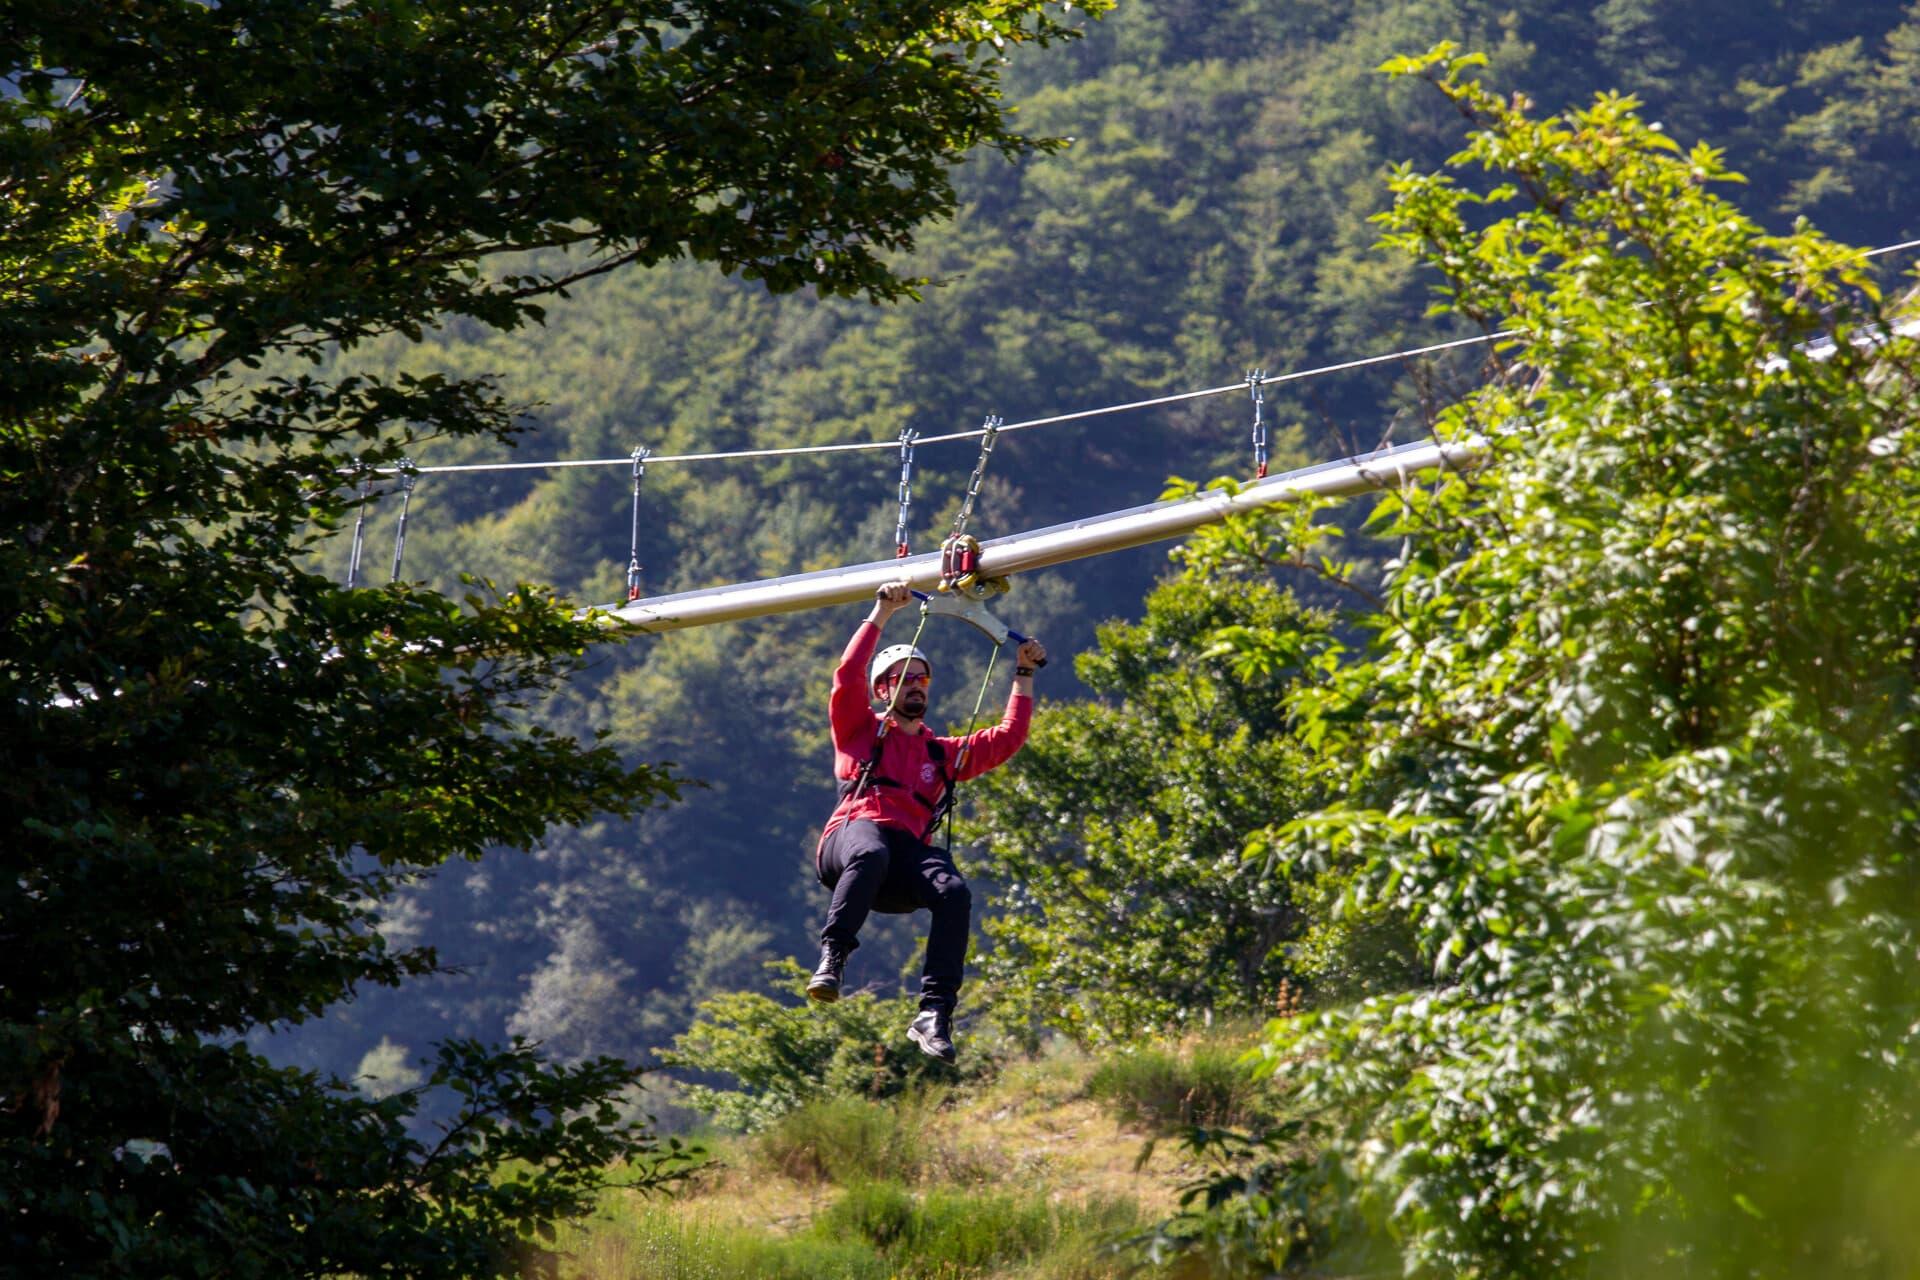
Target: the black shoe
(825, 984)
(933, 1032)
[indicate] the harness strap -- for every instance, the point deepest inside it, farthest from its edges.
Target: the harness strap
(936, 805)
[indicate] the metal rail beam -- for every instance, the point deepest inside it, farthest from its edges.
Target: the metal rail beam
(1039, 548)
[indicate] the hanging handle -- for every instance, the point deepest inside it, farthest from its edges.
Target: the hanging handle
(974, 612)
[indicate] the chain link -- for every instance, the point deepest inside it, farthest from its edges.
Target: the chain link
(989, 429)
(640, 455)
(907, 438)
(1256, 387)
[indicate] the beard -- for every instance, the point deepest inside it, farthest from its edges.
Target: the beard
(912, 704)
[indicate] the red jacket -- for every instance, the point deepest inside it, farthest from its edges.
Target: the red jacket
(912, 785)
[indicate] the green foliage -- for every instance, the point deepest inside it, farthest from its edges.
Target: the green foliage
(947, 1233)
(1114, 842)
(784, 1055)
(650, 1240)
(1166, 1090)
(1631, 743)
(220, 767)
(874, 1231)
(843, 1139)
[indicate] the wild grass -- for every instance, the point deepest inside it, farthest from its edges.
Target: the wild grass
(1162, 1090)
(876, 1230)
(850, 1140)
(651, 1242)
(967, 1233)
(1024, 1177)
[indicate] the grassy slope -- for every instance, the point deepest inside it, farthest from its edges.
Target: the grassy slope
(1025, 1176)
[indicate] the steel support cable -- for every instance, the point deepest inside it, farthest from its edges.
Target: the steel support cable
(868, 446)
(359, 532)
(407, 480)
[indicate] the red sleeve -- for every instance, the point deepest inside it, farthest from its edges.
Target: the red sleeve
(849, 708)
(991, 748)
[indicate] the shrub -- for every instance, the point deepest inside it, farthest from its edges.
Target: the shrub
(849, 1140)
(1161, 1090)
(880, 1212)
(786, 1055)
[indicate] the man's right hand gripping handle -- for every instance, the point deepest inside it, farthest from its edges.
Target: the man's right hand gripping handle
(889, 600)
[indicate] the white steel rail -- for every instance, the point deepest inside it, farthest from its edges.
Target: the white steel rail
(1055, 544)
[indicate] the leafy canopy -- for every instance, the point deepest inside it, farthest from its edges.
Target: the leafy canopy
(1123, 906)
(219, 764)
(1632, 745)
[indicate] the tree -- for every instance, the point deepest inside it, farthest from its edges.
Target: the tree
(1211, 216)
(1123, 905)
(1658, 662)
(219, 764)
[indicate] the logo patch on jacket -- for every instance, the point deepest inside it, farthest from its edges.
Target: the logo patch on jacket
(926, 772)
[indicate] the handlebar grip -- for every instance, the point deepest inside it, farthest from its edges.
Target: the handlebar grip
(1011, 633)
(1015, 635)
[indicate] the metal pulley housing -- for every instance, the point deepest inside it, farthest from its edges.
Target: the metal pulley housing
(960, 569)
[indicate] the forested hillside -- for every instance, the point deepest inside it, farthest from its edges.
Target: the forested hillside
(1212, 215)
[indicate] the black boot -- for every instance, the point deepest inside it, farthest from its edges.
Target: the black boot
(933, 1032)
(825, 984)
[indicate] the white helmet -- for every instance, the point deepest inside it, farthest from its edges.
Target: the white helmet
(888, 656)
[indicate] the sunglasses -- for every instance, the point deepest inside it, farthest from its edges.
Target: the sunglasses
(910, 678)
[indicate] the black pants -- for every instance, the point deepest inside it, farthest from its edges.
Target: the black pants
(874, 868)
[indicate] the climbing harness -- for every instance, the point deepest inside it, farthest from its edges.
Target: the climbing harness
(907, 438)
(407, 480)
(1256, 387)
(640, 455)
(960, 553)
(359, 532)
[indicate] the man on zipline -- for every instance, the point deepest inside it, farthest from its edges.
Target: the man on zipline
(896, 779)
